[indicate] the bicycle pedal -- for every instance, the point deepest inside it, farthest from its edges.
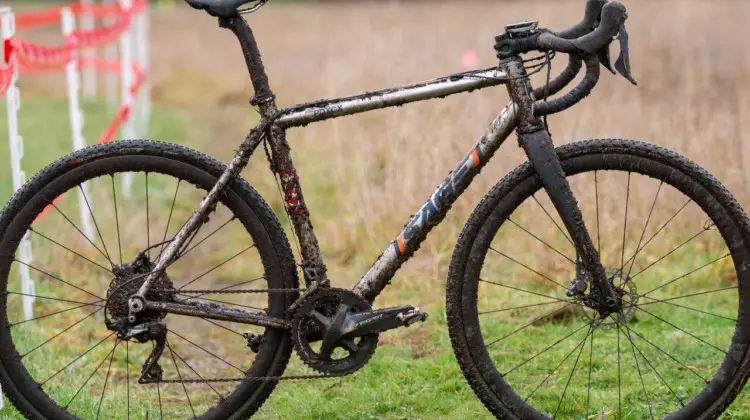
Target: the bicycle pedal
(411, 317)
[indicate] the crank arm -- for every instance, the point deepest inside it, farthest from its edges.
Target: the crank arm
(373, 322)
(219, 312)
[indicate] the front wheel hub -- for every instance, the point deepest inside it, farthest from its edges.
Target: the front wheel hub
(628, 299)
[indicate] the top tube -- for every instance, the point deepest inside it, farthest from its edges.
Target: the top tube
(445, 86)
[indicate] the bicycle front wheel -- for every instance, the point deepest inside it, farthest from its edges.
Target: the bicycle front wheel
(675, 245)
(96, 221)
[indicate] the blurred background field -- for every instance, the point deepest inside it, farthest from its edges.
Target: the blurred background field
(363, 175)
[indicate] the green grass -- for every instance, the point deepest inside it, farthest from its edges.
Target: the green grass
(414, 374)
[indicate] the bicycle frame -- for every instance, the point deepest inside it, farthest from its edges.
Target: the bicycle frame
(272, 129)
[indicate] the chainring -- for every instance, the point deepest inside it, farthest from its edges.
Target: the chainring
(351, 354)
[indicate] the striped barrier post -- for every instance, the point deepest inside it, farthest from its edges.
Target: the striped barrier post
(73, 78)
(13, 105)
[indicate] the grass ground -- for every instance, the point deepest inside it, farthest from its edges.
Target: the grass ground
(693, 104)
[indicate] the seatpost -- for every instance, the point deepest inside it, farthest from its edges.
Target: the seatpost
(264, 97)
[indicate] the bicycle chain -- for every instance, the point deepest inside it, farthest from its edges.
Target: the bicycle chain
(251, 378)
(240, 291)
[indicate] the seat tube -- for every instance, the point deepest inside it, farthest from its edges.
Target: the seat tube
(535, 140)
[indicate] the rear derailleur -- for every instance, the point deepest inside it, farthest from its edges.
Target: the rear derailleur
(155, 331)
(335, 331)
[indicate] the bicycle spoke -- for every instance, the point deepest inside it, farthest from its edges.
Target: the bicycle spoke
(182, 254)
(216, 267)
(96, 225)
(625, 225)
(31, 229)
(686, 274)
(106, 379)
(127, 374)
(591, 357)
(680, 329)
(148, 225)
(540, 240)
(659, 230)
(669, 253)
(689, 308)
(528, 268)
(221, 326)
(545, 350)
(523, 327)
(524, 290)
(61, 332)
(82, 234)
(645, 226)
(184, 388)
(206, 351)
(552, 371)
(553, 220)
(665, 353)
(572, 372)
(656, 372)
(174, 353)
(596, 197)
(77, 358)
(638, 368)
(92, 374)
(158, 395)
(58, 279)
(169, 219)
(619, 378)
(517, 307)
(55, 299)
(117, 218)
(11, 325)
(684, 296)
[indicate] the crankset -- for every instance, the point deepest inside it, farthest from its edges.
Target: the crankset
(335, 331)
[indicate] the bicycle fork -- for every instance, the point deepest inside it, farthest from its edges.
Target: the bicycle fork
(535, 140)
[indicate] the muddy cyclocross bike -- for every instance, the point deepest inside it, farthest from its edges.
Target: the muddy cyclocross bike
(553, 310)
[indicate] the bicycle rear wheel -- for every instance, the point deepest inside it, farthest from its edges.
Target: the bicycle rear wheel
(58, 360)
(675, 245)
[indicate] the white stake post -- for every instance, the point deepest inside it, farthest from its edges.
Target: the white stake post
(110, 55)
(76, 120)
(89, 71)
(127, 131)
(13, 100)
(143, 99)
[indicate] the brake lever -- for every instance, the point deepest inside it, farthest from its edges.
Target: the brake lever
(605, 60)
(623, 62)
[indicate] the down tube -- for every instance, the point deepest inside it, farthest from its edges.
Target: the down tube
(436, 207)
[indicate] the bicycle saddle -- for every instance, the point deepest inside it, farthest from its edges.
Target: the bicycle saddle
(218, 8)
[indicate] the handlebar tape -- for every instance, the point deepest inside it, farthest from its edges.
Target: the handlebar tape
(574, 96)
(562, 80)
